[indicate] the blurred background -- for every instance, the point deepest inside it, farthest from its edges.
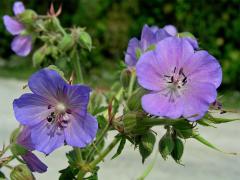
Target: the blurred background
(111, 23)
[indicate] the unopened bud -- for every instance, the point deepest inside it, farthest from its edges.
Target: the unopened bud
(66, 43)
(28, 16)
(85, 40)
(134, 102)
(178, 150)
(21, 172)
(166, 145)
(132, 123)
(39, 55)
(146, 145)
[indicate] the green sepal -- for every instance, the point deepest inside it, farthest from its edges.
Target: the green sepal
(18, 150)
(68, 173)
(120, 147)
(28, 16)
(66, 43)
(14, 135)
(125, 78)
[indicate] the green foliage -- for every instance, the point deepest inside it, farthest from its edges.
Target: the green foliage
(112, 23)
(120, 147)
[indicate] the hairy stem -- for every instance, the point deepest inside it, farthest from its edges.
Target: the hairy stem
(94, 163)
(77, 66)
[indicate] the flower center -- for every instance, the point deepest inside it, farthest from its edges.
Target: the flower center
(59, 118)
(61, 108)
(175, 83)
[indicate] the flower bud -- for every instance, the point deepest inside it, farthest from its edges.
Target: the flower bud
(125, 78)
(146, 145)
(21, 172)
(28, 16)
(166, 145)
(178, 150)
(66, 43)
(85, 40)
(18, 149)
(134, 102)
(39, 55)
(132, 123)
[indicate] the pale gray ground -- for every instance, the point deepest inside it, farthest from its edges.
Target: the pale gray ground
(201, 163)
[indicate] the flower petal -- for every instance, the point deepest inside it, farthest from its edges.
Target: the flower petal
(77, 99)
(193, 42)
(30, 109)
(22, 45)
(204, 68)
(18, 8)
(150, 72)
(160, 35)
(81, 131)
(130, 56)
(25, 140)
(46, 137)
(172, 30)
(197, 99)
(13, 26)
(49, 84)
(33, 163)
(173, 53)
(160, 105)
(147, 37)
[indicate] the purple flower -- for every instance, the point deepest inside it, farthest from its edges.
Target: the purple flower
(150, 36)
(56, 112)
(181, 81)
(22, 44)
(32, 161)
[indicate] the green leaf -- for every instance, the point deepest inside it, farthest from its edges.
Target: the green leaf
(217, 120)
(21, 172)
(68, 173)
(146, 145)
(178, 150)
(120, 147)
(72, 157)
(205, 142)
(166, 145)
(102, 122)
(18, 149)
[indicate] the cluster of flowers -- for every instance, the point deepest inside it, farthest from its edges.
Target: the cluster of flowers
(181, 79)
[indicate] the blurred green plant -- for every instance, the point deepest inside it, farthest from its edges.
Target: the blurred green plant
(112, 23)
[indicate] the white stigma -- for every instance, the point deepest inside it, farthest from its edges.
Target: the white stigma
(61, 108)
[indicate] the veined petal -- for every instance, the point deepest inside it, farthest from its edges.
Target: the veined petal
(46, 138)
(197, 99)
(174, 53)
(203, 67)
(30, 109)
(159, 104)
(81, 131)
(13, 26)
(34, 163)
(22, 45)
(18, 8)
(49, 84)
(150, 72)
(77, 99)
